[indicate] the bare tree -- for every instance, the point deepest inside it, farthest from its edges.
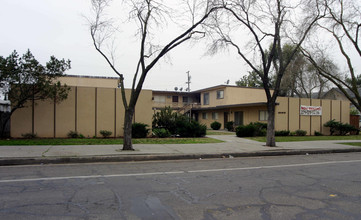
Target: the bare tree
(267, 22)
(149, 15)
(343, 25)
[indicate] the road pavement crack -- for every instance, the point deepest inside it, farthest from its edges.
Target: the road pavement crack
(46, 151)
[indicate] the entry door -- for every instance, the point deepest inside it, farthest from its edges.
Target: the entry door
(238, 118)
(225, 118)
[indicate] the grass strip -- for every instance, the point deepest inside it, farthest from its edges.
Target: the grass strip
(357, 144)
(308, 138)
(220, 133)
(108, 141)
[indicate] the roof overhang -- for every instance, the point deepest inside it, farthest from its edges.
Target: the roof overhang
(219, 107)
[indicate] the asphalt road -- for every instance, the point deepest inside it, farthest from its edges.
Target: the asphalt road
(287, 187)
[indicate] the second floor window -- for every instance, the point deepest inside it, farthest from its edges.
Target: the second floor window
(175, 99)
(220, 94)
(206, 99)
(185, 99)
(159, 99)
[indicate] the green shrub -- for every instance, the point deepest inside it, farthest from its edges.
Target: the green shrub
(260, 125)
(262, 132)
(301, 132)
(318, 133)
(246, 130)
(229, 126)
(339, 127)
(105, 133)
(260, 128)
(166, 118)
(139, 130)
(73, 134)
(161, 132)
(81, 136)
(333, 125)
(190, 129)
(29, 135)
(346, 128)
(216, 125)
(282, 133)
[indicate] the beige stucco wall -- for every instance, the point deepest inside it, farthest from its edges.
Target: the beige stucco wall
(44, 118)
(105, 110)
(250, 114)
(287, 114)
(237, 95)
(290, 118)
(234, 95)
(21, 121)
(87, 111)
(86, 81)
(281, 114)
(65, 115)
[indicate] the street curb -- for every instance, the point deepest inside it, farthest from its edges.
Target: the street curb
(128, 158)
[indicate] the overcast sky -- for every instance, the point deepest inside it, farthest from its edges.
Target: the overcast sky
(57, 27)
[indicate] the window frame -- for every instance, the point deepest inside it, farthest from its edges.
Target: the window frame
(177, 98)
(187, 99)
(264, 116)
(219, 92)
(215, 116)
(204, 98)
(204, 115)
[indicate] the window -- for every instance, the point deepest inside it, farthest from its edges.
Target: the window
(204, 115)
(185, 99)
(214, 115)
(159, 99)
(263, 115)
(175, 99)
(206, 98)
(220, 94)
(238, 118)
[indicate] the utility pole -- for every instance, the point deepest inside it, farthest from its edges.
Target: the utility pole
(188, 81)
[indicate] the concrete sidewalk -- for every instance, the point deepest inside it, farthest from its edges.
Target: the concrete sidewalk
(231, 147)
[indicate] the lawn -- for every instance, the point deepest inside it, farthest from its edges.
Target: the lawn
(357, 144)
(308, 138)
(213, 132)
(101, 141)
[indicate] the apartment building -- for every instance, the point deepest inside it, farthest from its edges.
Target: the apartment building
(95, 104)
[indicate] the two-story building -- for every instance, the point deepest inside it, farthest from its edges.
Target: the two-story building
(95, 103)
(244, 105)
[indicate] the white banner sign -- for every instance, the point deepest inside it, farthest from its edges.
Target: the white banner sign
(310, 110)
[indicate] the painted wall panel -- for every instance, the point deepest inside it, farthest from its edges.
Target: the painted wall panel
(281, 114)
(105, 110)
(65, 115)
(44, 118)
(305, 121)
(315, 120)
(336, 110)
(86, 111)
(294, 114)
(345, 108)
(326, 115)
(143, 109)
(21, 121)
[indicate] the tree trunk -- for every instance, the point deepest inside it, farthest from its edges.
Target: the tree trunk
(271, 141)
(128, 121)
